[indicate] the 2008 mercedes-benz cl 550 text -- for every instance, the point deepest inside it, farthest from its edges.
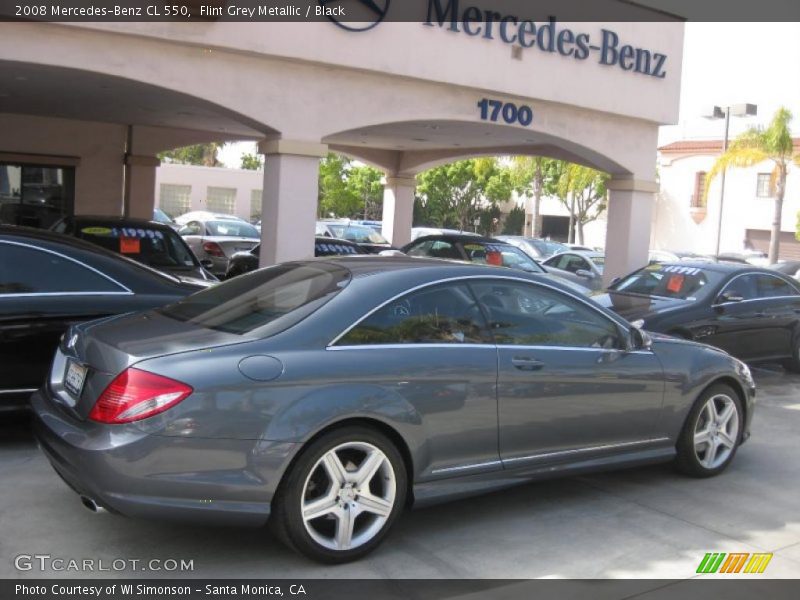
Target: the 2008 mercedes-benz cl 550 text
(325, 396)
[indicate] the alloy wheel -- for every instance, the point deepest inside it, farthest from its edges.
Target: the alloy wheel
(716, 431)
(348, 496)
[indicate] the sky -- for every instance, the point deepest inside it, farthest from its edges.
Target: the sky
(723, 64)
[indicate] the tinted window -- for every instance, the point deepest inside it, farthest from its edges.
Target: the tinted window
(263, 302)
(770, 287)
(744, 287)
(28, 271)
(155, 247)
(232, 228)
(443, 314)
(359, 234)
(670, 281)
(527, 314)
(569, 262)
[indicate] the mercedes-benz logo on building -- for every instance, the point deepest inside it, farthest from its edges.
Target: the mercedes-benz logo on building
(360, 15)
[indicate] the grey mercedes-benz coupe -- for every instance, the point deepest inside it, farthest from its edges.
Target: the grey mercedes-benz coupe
(325, 396)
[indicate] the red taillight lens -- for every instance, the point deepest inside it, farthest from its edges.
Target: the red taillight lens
(135, 395)
(214, 249)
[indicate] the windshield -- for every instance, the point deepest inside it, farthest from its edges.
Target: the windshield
(153, 246)
(359, 234)
(547, 248)
(501, 255)
(232, 229)
(670, 281)
(263, 302)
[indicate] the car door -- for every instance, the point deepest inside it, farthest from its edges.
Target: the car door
(737, 323)
(41, 293)
(780, 305)
(430, 348)
(568, 385)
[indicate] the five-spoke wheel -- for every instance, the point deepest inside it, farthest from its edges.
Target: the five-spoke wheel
(342, 495)
(712, 432)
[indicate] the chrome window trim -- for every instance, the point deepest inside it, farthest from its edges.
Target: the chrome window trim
(489, 463)
(62, 294)
(466, 278)
(402, 346)
(734, 278)
(586, 449)
(125, 289)
(17, 391)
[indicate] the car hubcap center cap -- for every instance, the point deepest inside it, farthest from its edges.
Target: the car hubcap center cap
(347, 494)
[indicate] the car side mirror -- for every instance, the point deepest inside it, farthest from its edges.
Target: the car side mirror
(730, 296)
(615, 280)
(640, 340)
(584, 273)
(206, 263)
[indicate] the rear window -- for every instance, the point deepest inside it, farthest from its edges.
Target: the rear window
(155, 247)
(232, 228)
(501, 255)
(359, 234)
(670, 281)
(264, 302)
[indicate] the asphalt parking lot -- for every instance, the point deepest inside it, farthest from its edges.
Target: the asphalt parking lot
(642, 523)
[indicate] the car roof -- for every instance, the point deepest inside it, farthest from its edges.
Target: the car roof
(121, 221)
(461, 237)
(584, 253)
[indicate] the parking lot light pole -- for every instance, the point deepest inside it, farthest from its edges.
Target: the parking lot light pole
(716, 112)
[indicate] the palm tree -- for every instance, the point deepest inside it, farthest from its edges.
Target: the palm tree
(757, 145)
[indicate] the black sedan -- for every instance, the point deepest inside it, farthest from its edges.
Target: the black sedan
(752, 313)
(244, 262)
(472, 248)
(49, 281)
(154, 244)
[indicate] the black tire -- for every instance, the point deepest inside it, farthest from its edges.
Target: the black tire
(687, 460)
(793, 364)
(287, 518)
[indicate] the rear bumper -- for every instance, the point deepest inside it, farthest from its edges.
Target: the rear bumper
(125, 471)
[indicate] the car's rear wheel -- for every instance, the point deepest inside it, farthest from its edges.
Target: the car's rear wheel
(712, 432)
(341, 496)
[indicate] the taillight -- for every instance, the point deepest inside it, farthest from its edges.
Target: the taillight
(135, 395)
(214, 249)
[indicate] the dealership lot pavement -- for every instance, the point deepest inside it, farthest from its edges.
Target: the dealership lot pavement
(649, 522)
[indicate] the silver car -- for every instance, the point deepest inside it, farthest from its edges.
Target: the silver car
(216, 238)
(325, 396)
(581, 267)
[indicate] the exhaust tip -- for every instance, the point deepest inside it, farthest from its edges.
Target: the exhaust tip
(91, 505)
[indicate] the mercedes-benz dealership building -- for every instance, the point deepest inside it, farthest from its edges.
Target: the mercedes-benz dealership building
(85, 107)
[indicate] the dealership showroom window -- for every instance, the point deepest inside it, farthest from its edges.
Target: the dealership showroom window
(426, 298)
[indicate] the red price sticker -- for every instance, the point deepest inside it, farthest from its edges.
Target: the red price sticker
(675, 283)
(129, 245)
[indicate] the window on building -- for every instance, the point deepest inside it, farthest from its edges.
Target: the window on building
(255, 205)
(175, 200)
(763, 187)
(221, 200)
(699, 195)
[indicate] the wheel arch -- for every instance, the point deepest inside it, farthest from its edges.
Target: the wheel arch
(735, 385)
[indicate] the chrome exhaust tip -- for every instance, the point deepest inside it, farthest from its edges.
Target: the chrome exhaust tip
(92, 505)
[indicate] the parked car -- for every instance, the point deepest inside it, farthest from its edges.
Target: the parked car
(154, 244)
(325, 396)
(787, 267)
(244, 262)
(49, 281)
(750, 257)
(581, 248)
(752, 313)
(215, 238)
(536, 248)
(368, 238)
(418, 232)
(472, 248)
(582, 267)
(205, 215)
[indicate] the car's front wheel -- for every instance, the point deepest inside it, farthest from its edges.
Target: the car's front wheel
(341, 496)
(712, 432)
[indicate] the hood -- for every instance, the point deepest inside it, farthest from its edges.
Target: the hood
(632, 307)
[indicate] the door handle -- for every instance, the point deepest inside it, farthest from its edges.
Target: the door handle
(525, 363)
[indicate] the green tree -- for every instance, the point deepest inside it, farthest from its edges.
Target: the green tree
(367, 183)
(586, 189)
(757, 145)
(515, 221)
(252, 162)
(204, 155)
(528, 174)
(453, 195)
(336, 198)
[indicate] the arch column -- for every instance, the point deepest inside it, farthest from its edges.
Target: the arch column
(289, 199)
(630, 211)
(140, 181)
(398, 209)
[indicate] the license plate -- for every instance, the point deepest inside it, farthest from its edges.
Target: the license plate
(74, 378)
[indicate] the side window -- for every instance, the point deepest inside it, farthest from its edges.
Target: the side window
(192, 228)
(770, 287)
(420, 249)
(530, 315)
(442, 249)
(29, 271)
(743, 287)
(441, 314)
